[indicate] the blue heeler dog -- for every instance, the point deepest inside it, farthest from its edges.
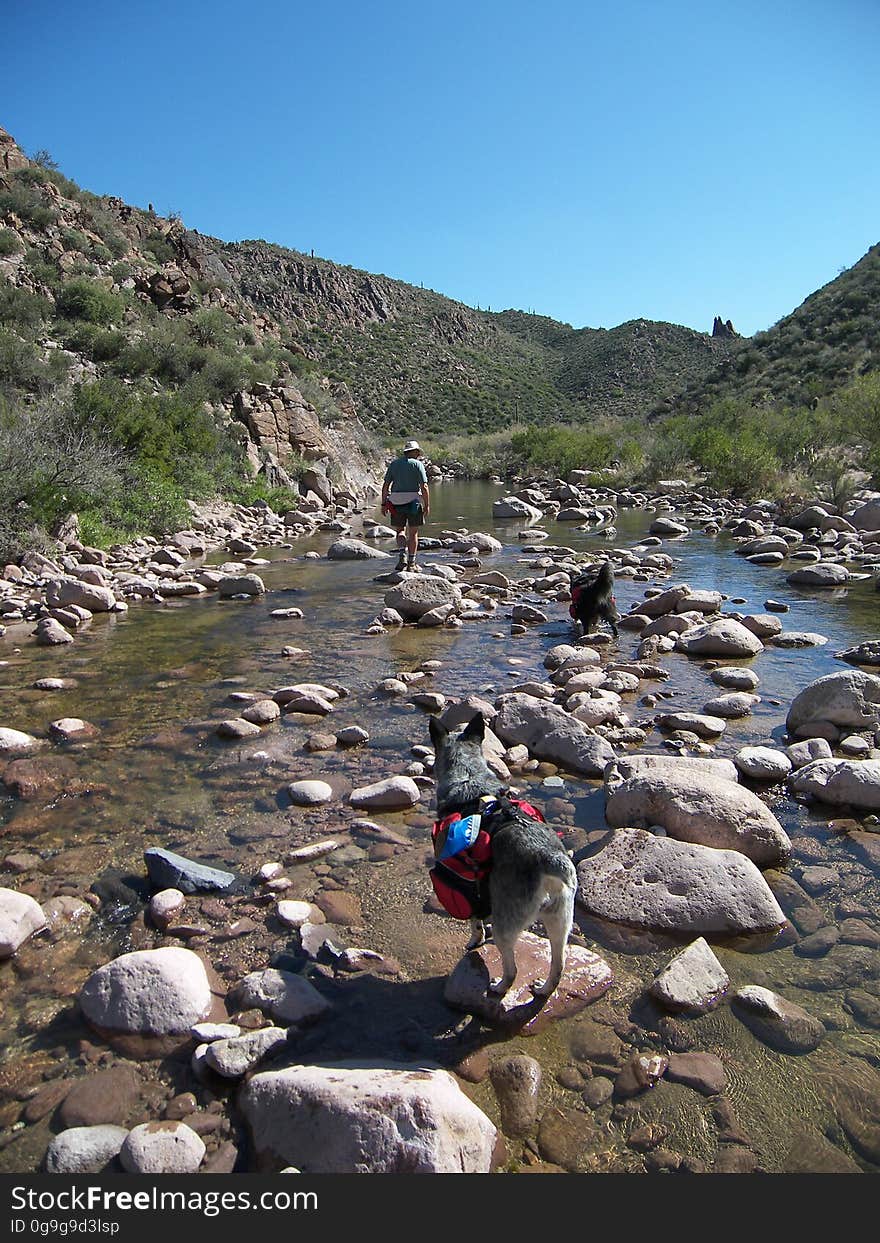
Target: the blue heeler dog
(531, 878)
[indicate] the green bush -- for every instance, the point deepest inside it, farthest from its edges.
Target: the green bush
(160, 248)
(28, 204)
(9, 242)
(21, 308)
(89, 300)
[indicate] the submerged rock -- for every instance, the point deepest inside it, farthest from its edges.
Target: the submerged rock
(693, 981)
(781, 1024)
(168, 870)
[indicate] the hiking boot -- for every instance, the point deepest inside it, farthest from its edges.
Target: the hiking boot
(401, 560)
(411, 566)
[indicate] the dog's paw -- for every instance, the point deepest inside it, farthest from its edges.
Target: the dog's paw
(542, 988)
(497, 988)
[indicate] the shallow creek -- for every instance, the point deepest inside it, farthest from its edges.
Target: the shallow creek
(154, 679)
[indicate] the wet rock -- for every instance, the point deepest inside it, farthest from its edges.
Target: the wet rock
(696, 807)
(702, 1071)
(693, 722)
(694, 981)
(162, 1148)
(84, 1149)
(817, 944)
(854, 1092)
(168, 870)
(735, 678)
(50, 633)
(352, 735)
(801, 753)
(314, 850)
(597, 1091)
(812, 1153)
(344, 1118)
(240, 585)
(237, 729)
(107, 1096)
(234, 1057)
(551, 734)
(635, 765)
(586, 977)
(393, 793)
(287, 998)
(420, 594)
(653, 882)
(732, 706)
(20, 918)
(339, 907)
(564, 1137)
(597, 1044)
(734, 1159)
(309, 793)
(782, 1024)
(517, 1081)
(639, 1074)
(826, 574)
(763, 763)
(157, 992)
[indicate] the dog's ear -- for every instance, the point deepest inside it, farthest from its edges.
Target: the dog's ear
(439, 733)
(475, 730)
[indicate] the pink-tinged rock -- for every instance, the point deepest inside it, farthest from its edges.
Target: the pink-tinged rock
(345, 1118)
(585, 978)
(702, 1071)
(391, 794)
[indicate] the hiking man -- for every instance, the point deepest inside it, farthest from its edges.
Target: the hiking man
(406, 499)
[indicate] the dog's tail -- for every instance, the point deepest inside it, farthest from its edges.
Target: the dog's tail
(559, 873)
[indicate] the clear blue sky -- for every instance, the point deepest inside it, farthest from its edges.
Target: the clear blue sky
(593, 161)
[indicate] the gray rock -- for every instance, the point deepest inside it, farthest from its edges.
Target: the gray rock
(635, 765)
(355, 550)
(763, 763)
(240, 585)
(852, 782)
(823, 574)
(287, 998)
(162, 1148)
(694, 981)
(155, 992)
(700, 808)
(801, 753)
(20, 917)
(418, 594)
(168, 870)
(84, 1149)
(848, 699)
(551, 734)
(656, 882)
(234, 1056)
(724, 637)
(346, 1118)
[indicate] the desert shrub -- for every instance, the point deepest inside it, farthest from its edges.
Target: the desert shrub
(72, 239)
(22, 309)
(10, 243)
(160, 248)
(27, 203)
(563, 449)
(81, 298)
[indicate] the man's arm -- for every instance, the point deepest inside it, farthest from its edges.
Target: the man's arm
(426, 499)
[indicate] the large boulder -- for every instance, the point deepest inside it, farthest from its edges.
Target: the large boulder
(700, 807)
(822, 574)
(513, 507)
(634, 765)
(848, 699)
(240, 585)
(346, 1118)
(867, 516)
(722, 637)
(551, 734)
(91, 596)
(855, 783)
(153, 992)
(656, 882)
(418, 594)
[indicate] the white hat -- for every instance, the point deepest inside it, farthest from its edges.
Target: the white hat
(410, 445)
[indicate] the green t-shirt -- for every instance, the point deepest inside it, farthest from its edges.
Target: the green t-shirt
(406, 474)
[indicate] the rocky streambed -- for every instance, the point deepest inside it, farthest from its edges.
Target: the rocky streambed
(220, 947)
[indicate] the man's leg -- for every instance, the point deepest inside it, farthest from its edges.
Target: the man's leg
(412, 543)
(401, 546)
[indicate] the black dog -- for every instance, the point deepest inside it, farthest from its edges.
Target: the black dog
(592, 598)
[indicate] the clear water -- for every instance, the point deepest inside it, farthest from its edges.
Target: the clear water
(153, 680)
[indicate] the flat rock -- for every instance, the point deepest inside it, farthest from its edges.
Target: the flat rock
(355, 550)
(701, 724)
(346, 1118)
(237, 728)
(240, 585)
(657, 882)
(702, 1071)
(697, 807)
(586, 977)
(168, 870)
(418, 594)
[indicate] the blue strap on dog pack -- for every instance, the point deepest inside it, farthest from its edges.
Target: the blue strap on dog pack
(460, 835)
